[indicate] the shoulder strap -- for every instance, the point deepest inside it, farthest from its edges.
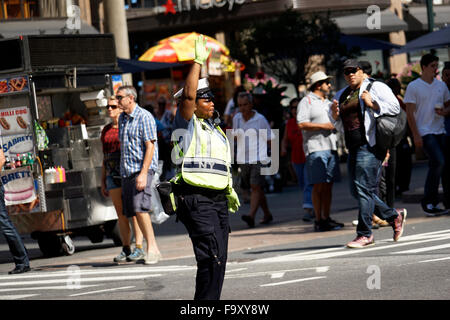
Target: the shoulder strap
(344, 94)
(369, 86)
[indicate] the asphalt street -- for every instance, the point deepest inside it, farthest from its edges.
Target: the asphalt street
(282, 261)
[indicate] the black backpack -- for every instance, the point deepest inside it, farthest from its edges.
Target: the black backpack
(390, 129)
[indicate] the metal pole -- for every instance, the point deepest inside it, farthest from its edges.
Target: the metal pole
(430, 15)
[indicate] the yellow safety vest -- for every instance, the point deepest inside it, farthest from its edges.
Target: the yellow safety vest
(207, 162)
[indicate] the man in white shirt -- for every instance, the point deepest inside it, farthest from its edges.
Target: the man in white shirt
(425, 98)
(253, 132)
(319, 144)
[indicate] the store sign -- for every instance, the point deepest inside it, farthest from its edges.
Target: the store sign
(188, 5)
(15, 121)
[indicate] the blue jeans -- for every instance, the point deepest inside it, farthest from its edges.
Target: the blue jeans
(303, 183)
(433, 145)
(364, 170)
(16, 246)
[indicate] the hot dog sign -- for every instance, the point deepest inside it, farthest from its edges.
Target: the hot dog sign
(15, 121)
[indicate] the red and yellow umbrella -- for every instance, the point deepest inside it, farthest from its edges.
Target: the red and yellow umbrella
(179, 48)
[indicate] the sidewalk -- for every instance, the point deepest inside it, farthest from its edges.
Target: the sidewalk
(287, 226)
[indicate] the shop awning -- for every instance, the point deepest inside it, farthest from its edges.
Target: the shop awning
(133, 66)
(15, 28)
(433, 40)
(367, 43)
(357, 23)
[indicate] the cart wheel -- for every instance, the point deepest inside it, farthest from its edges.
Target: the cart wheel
(67, 245)
(95, 234)
(50, 244)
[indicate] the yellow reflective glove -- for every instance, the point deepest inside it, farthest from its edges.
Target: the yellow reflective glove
(201, 53)
(233, 201)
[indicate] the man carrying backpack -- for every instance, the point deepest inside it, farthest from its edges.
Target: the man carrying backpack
(354, 111)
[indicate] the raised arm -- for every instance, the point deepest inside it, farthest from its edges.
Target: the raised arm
(188, 105)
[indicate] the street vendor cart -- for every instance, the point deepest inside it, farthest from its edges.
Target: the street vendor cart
(53, 91)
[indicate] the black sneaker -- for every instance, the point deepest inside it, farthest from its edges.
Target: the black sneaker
(249, 220)
(334, 224)
(433, 211)
(322, 226)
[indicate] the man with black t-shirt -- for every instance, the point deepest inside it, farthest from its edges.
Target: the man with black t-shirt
(353, 111)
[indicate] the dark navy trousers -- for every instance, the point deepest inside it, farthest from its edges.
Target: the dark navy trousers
(205, 217)
(16, 246)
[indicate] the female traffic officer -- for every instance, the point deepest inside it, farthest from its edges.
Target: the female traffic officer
(203, 183)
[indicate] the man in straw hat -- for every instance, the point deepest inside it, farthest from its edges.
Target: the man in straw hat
(319, 142)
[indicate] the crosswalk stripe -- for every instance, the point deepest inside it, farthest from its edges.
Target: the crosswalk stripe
(80, 279)
(433, 260)
(442, 246)
(101, 291)
(263, 273)
(290, 281)
(47, 274)
(47, 288)
(19, 296)
(305, 256)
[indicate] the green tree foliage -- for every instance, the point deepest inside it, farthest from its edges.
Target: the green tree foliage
(284, 44)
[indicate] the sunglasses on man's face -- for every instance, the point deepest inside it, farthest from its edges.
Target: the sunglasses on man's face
(120, 97)
(349, 71)
(112, 106)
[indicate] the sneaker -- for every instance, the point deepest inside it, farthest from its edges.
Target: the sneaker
(379, 222)
(399, 224)
(334, 224)
(249, 220)
(152, 258)
(361, 242)
(325, 225)
(122, 257)
(136, 255)
(434, 211)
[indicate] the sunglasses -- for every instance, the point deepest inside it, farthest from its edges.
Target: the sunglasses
(111, 106)
(120, 97)
(349, 71)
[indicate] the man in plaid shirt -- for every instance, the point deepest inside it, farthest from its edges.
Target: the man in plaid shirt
(139, 161)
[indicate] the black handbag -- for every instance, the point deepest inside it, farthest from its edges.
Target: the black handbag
(169, 200)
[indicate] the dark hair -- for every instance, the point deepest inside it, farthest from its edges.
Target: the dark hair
(247, 95)
(292, 101)
(427, 59)
(366, 67)
(395, 85)
(446, 65)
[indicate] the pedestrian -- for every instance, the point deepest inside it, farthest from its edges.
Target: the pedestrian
(204, 192)
(138, 164)
(293, 137)
(319, 143)
(404, 150)
(353, 111)
(446, 175)
(232, 108)
(425, 98)
(111, 185)
(250, 127)
(9, 231)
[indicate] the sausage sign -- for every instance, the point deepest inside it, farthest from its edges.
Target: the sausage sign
(15, 121)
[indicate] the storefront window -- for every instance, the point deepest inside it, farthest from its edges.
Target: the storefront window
(18, 9)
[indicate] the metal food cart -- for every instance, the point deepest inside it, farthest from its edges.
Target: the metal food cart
(53, 91)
